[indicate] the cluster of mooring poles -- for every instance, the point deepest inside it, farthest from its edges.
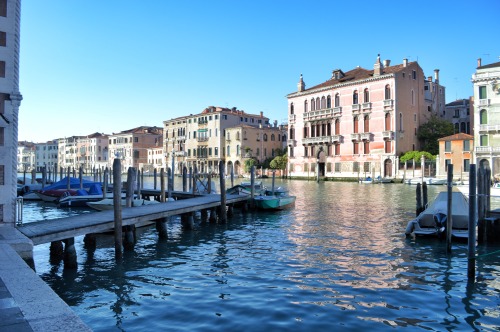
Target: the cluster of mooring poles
(124, 236)
(488, 228)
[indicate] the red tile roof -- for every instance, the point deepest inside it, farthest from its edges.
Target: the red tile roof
(457, 137)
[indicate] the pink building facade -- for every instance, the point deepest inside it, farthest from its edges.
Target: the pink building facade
(356, 123)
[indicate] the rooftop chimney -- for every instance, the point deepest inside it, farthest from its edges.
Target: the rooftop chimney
(479, 62)
(429, 78)
(377, 67)
(301, 86)
(405, 62)
(387, 63)
(261, 114)
(436, 75)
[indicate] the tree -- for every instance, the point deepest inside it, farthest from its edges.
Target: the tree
(279, 162)
(431, 131)
(249, 163)
(416, 156)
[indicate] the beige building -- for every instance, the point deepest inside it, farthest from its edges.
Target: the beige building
(131, 146)
(459, 112)
(68, 153)
(360, 121)
(10, 99)
(26, 156)
(46, 155)
(456, 150)
(92, 152)
(202, 140)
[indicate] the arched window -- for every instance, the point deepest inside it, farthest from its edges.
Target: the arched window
(323, 102)
(366, 96)
(328, 102)
(355, 97)
(387, 121)
(401, 122)
(337, 100)
(462, 127)
(318, 103)
(272, 137)
(366, 124)
(412, 97)
(313, 104)
(337, 127)
(237, 150)
(291, 108)
(457, 128)
(238, 135)
(265, 137)
(292, 133)
(355, 124)
(228, 151)
(483, 117)
(387, 92)
(305, 105)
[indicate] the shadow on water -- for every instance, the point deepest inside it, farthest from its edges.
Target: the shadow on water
(337, 260)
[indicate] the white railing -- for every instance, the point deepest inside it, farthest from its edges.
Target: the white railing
(367, 106)
(316, 140)
(355, 137)
(355, 107)
(483, 102)
(388, 103)
(388, 134)
(487, 149)
(485, 127)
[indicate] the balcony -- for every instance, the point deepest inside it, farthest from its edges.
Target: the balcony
(489, 128)
(388, 135)
(292, 118)
(356, 108)
(181, 138)
(366, 136)
(316, 140)
(202, 122)
(483, 102)
(367, 107)
(488, 150)
(326, 113)
(202, 139)
(337, 139)
(388, 103)
(291, 143)
(337, 111)
(180, 153)
(355, 137)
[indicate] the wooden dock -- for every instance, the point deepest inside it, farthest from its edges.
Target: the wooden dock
(64, 228)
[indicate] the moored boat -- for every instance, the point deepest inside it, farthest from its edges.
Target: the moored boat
(108, 203)
(64, 186)
(432, 221)
(277, 199)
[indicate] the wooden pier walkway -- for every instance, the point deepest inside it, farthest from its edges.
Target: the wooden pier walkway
(60, 229)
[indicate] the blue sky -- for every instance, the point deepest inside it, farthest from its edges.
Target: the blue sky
(106, 66)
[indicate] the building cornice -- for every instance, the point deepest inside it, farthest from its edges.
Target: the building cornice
(340, 85)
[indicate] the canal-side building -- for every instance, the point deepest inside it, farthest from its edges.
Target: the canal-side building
(458, 112)
(360, 121)
(26, 156)
(486, 82)
(46, 155)
(92, 152)
(10, 100)
(201, 139)
(67, 150)
(132, 145)
(456, 150)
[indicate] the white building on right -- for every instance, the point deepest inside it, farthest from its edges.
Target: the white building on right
(486, 82)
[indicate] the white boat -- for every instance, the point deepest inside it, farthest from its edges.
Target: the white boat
(428, 180)
(108, 203)
(432, 221)
(494, 190)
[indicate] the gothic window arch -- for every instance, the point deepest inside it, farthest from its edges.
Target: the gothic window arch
(318, 103)
(313, 104)
(366, 123)
(337, 100)
(305, 105)
(483, 117)
(291, 108)
(387, 92)
(323, 102)
(328, 102)
(366, 95)
(355, 100)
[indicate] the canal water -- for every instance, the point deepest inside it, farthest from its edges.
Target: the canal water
(338, 261)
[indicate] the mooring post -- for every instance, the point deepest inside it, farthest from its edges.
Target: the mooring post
(223, 216)
(184, 179)
(317, 172)
(190, 177)
(272, 184)
(68, 179)
(44, 176)
(449, 220)
(209, 183)
(162, 185)
(117, 207)
(154, 178)
(232, 175)
(80, 176)
(161, 227)
(195, 175)
(105, 184)
(169, 183)
(471, 244)
(204, 215)
(424, 196)
(487, 187)
(252, 182)
(139, 183)
(213, 215)
(419, 199)
(128, 242)
(481, 190)
(56, 252)
(74, 172)
(55, 173)
(70, 254)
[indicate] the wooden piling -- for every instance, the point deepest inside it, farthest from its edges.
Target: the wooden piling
(223, 216)
(449, 220)
(139, 183)
(44, 176)
(481, 190)
(56, 252)
(424, 196)
(204, 215)
(190, 177)
(68, 182)
(70, 261)
(105, 183)
(154, 178)
(184, 179)
(252, 182)
(169, 183)
(161, 227)
(471, 241)
(232, 175)
(80, 176)
(419, 199)
(128, 242)
(117, 189)
(162, 185)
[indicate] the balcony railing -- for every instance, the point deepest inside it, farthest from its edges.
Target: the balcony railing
(388, 103)
(356, 107)
(485, 127)
(336, 138)
(316, 140)
(388, 135)
(367, 107)
(366, 136)
(180, 154)
(292, 143)
(291, 118)
(484, 102)
(202, 139)
(355, 137)
(488, 149)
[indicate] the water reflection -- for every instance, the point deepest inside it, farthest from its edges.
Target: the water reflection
(337, 260)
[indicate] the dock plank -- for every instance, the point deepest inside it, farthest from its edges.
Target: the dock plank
(101, 221)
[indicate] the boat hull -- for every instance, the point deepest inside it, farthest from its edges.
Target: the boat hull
(274, 203)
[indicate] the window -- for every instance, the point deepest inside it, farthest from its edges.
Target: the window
(292, 133)
(466, 165)
(337, 149)
(337, 100)
(387, 121)
(446, 163)
(2, 175)
(291, 151)
(305, 105)
(216, 151)
(136, 139)
(366, 147)
(313, 105)
(482, 92)
(2, 134)
(291, 108)
(412, 97)
(323, 102)
(388, 146)
(318, 105)
(3, 8)
(355, 124)
(355, 166)
(401, 122)
(273, 138)
(483, 117)
(2, 68)
(265, 137)
(337, 127)
(237, 150)
(328, 102)
(355, 97)
(355, 148)
(387, 92)
(3, 38)
(366, 96)
(447, 146)
(367, 124)
(466, 145)
(414, 74)
(483, 140)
